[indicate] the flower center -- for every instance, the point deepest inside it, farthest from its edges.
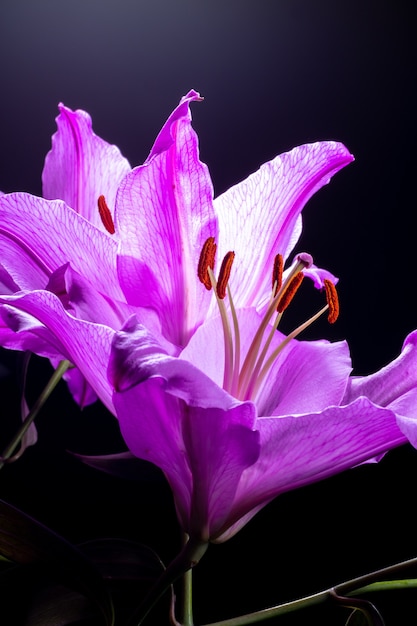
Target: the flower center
(244, 380)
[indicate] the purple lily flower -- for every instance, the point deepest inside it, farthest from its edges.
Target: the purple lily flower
(107, 241)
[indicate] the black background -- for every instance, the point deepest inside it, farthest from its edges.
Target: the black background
(274, 74)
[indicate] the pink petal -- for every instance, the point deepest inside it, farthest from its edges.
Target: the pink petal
(164, 214)
(306, 376)
(261, 216)
(80, 166)
(201, 451)
(318, 275)
(394, 386)
(81, 391)
(390, 382)
(296, 451)
(20, 331)
(38, 236)
(188, 426)
(84, 344)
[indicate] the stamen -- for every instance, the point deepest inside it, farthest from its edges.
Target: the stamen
(207, 257)
(282, 345)
(277, 272)
(252, 363)
(227, 336)
(236, 362)
(224, 274)
(332, 301)
(245, 382)
(105, 215)
(289, 292)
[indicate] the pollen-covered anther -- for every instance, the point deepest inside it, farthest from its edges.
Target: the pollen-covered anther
(289, 292)
(277, 272)
(206, 261)
(105, 215)
(224, 274)
(332, 301)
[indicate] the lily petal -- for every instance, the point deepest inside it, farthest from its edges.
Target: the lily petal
(299, 450)
(164, 214)
(7, 284)
(261, 216)
(202, 451)
(81, 166)
(83, 343)
(197, 433)
(80, 389)
(306, 376)
(20, 331)
(38, 236)
(318, 275)
(390, 382)
(199, 436)
(394, 386)
(188, 426)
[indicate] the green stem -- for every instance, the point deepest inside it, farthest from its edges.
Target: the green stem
(367, 580)
(189, 556)
(52, 383)
(187, 607)
(363, 584)
(186, 618)
(282, 609)
(386, 585)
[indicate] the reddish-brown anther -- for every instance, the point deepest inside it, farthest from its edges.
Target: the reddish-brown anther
(332, 301)
(277, 272)
(289, 292)
(206, 261)
(224, 274)
(105, 215)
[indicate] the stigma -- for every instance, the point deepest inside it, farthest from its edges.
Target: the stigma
(243, 377)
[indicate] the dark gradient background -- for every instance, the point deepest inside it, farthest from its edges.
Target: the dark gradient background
(274, 74)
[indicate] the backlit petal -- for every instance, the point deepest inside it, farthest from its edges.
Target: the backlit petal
(261, 216)
(86, 345)
(188, 426)
(394, 386)
(306, 376)
(81, 166)
(296, 451)
(38, 236)
(164, 214)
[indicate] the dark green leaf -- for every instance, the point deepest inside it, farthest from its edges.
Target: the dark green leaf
(25, 541)
(130, 570)
(56, 605)
(120, 559)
